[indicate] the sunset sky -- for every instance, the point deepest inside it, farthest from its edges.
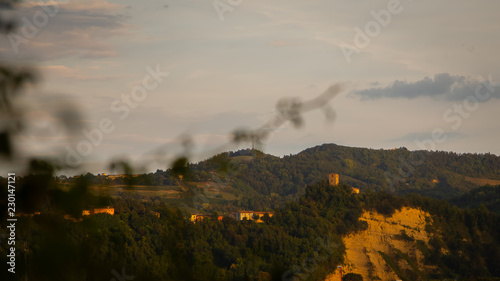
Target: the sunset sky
(408, 68)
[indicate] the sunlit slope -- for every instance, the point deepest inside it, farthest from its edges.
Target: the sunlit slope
(388, 247)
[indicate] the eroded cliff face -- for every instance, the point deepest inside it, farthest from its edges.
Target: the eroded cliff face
(389, 248)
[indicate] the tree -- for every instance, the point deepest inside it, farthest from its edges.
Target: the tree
(352, 277)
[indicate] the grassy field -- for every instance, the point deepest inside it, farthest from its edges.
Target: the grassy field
(144, 191)
(239, 159)
(482, 181)
(172, 195)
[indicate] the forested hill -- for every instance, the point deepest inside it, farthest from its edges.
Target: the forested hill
(255, 180)
(437, 174)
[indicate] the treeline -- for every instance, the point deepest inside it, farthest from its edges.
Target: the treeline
(159, 178)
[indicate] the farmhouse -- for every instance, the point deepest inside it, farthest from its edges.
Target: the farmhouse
(250, 215)
(95, 211)
(200, 217)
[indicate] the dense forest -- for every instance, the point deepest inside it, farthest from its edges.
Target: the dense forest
(301, 242)
(483, 197)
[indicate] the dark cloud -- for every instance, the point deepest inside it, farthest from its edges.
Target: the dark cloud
(442, 86)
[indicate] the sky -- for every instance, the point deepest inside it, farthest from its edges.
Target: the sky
(131, 79)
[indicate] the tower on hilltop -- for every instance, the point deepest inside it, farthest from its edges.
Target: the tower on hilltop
(333, 179)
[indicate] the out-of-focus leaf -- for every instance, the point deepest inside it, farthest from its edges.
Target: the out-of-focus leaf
(42, 167)
(180, 166)
(290, 109)
(241, 135)
(126, 168)
(121, 166)
(5, 144)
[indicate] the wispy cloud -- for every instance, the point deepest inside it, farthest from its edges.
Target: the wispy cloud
(442, 86)
(80, 29)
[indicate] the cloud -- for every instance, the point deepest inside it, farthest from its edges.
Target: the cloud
(77, 5)
(442, 86)
(52, 30)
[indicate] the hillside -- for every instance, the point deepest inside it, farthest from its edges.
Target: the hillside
(248, 179)
(423, 239)
(397, 234)
(303, 240)
(441, 175)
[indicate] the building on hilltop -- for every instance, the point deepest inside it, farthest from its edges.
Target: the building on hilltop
(333, 179)
(106, 210)
(250, 215)
(94, 211)
(200, 217)
(197, 217)
(239, 216)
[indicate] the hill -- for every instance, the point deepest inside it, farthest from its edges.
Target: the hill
(438, 174)
(250, 179)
